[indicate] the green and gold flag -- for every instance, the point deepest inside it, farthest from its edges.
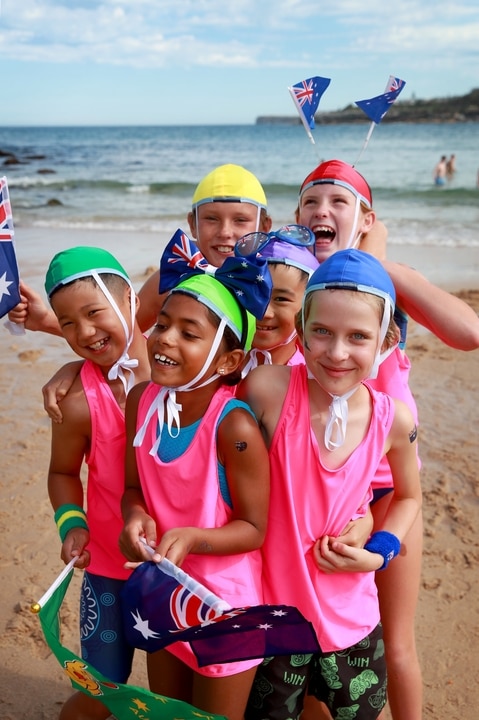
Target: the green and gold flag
(125, 702)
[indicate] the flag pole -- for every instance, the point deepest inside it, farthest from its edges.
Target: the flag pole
(36, 607)
(365, 144)
(301, 115)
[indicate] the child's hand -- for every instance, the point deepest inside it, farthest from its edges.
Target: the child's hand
(74, 545)
(177, 543)
(31, 311)
(138, 533)
(57, 387)
(357, 532)
(333, 556)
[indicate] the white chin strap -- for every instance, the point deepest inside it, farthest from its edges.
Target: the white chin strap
(124, 362)
(354, 237)
(166, 397)
(255, 353)
(381, 356)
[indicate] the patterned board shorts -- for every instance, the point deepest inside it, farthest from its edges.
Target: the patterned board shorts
(103, 642)
(352, 683)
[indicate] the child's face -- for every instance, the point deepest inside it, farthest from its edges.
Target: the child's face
(341, 338)
(278, 322)
(179, 343)
(89, 323)
(217, 226)
(329, 211)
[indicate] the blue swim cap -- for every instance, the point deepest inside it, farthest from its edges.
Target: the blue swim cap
(353, 269)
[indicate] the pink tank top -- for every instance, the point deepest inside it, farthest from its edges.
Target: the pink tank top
(393, 379)
(186, 491)
(308, 501)
(106, 475)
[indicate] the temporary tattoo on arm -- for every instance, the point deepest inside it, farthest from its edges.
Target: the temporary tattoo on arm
(241, 445)
(413, 434)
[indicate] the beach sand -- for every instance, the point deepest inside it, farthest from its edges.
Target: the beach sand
(32, 686)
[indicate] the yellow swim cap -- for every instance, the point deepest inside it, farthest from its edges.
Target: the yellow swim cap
(230, 183)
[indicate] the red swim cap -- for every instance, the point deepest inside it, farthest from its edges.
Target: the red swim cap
(337, 172)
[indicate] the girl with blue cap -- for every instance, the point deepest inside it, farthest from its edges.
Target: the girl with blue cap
(197, 471)
(327, 430)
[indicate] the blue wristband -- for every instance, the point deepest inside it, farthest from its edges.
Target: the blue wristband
(385, 544)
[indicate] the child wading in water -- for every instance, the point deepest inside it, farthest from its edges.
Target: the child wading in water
(327, 431)
(95, 304)
(197, 472)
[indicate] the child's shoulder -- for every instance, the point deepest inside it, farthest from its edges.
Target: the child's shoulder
(74, 406)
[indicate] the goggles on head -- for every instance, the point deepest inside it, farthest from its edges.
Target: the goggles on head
(254, 242)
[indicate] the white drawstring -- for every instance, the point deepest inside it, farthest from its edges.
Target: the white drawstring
(167, 397)
(124, 362)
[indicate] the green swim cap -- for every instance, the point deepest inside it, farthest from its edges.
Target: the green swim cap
(78, 262)
(229, 183)
(209, 291)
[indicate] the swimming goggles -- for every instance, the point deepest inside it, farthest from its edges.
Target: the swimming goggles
(254, 242)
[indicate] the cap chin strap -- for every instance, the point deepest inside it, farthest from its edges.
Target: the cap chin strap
(254, 353)
(124, 362)
(354, 237)
(338, 417)
(381, 356)
(166, 397)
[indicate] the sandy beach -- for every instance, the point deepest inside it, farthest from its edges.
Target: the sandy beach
(32, 686)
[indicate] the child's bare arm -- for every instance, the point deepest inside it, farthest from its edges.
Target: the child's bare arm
(447, 316)
(243, 453)
(70, 442)
(374, 241)
(150, 302)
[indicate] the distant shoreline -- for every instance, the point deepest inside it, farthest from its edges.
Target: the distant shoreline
(438, 110)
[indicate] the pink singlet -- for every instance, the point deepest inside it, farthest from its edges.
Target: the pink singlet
(186, 492)
(106, 474)
(309, 501)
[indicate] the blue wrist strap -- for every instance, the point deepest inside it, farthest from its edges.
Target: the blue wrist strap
(385, 544)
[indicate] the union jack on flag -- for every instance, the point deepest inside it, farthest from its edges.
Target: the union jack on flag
(394, 83)
(9, 279)
(306, 95)
(376, 108)
(183, 251)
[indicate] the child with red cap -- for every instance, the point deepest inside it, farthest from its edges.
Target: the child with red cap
(336, 203)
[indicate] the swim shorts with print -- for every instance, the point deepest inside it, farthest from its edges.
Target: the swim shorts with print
(351, 682)
(103, 641)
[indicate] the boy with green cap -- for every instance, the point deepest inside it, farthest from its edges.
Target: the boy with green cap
(95, 305)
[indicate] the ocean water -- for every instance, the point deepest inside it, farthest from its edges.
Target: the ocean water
(143, 178)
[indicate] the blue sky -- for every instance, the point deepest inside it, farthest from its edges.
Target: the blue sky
(181, 62)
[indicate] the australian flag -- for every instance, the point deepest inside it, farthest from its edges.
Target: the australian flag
(9, 280)
(162, 605)
(376, 108)
(306, 96)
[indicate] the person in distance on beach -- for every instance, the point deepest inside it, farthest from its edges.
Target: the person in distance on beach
(440, 172)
